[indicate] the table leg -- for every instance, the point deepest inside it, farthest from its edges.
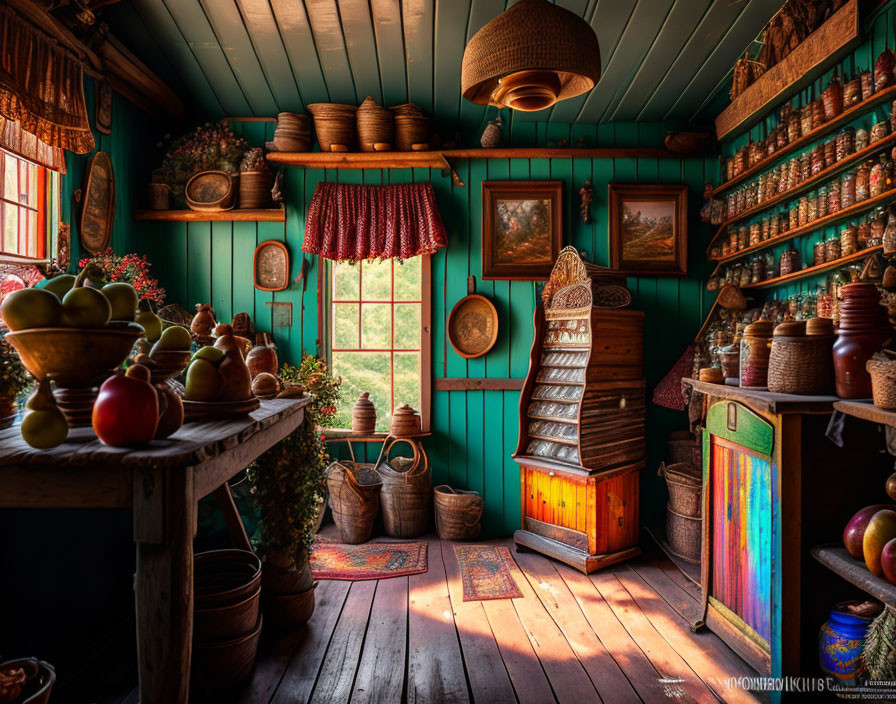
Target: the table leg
(164, 526)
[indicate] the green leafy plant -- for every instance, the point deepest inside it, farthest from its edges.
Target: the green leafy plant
(14, 380)
(289, 480)
(131, 269)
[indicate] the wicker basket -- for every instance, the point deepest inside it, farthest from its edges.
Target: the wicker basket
(354, 499)
(684, 534)
(682, 447)
(255, 189)
(685, 484)
(406, 495)
(376, 127)
(801, 365)
(457, 513)
(334, 125)
(883, 381)
(411, 132)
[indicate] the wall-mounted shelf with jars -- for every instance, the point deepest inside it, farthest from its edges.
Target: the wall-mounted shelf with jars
(815, 270)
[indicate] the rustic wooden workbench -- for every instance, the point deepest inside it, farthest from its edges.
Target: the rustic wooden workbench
(162, 483)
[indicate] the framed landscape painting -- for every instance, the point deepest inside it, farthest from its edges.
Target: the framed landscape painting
(522, 228)
(648, 229)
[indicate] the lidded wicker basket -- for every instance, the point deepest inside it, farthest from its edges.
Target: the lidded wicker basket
(800, 363)
(334, 125)
(376, 127)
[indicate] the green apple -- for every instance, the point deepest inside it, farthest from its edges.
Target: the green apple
(31, 308)
(203, 381)
(84, 307)
(60, 285)
(123, 299)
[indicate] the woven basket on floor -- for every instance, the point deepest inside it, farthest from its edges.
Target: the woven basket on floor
(802, 364)
(354, 489)
(685, 484)
(406, 497)
(334, 125)
(684, 534)
(682, 447)
(457, 513)
(883, 381)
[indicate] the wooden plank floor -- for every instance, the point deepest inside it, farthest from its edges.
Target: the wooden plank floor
(619, 635)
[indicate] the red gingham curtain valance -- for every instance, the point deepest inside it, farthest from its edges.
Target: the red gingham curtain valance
(354, 223)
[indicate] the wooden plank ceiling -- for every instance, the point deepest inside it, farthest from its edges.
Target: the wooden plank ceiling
(662, 59)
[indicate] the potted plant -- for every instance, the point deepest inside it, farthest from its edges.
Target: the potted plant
(14, 380)
(256, 180)
(288, 485)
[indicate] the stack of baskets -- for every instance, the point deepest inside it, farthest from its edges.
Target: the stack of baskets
(354, 489)
(411, 128)
(882, 369)
(334, 125)
(406, 496)
(684, 511)
(801, 361)
(376, 127)
(226, 619)
(293, 133)
(458, 513)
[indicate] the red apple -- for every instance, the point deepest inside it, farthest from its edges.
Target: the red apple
(171, 411)
(126, 411)
(888, 561)
(854, 532)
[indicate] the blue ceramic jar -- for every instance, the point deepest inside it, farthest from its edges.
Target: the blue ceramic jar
(840, 643)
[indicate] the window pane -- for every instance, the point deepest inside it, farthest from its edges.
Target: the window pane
(407, 326)
(363, 371)
(10, 180)
(33, 175)
(345, 325)
(346, 281)
(408, 279)
(32, 233)
(10, 229)
(376, 326)
(407, 378)
(23, 182)
(376, 280)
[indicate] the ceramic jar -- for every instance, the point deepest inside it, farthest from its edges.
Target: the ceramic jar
(864, 330)
(818, 253)
(754, 353)
(840, 643)
(790, 262)
(364, 415)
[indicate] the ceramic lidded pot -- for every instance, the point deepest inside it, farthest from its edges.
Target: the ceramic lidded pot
(405, 421)
(864, 329)
(841, 639)
(364, 415)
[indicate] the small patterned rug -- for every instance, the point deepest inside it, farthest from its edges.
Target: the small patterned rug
(485, 572)
(368, 561)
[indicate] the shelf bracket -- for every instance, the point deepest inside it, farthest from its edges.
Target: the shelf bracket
(449, 167)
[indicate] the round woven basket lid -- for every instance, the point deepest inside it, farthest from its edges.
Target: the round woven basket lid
(532, 35)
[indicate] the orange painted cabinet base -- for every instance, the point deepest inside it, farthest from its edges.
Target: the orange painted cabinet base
(586, 520)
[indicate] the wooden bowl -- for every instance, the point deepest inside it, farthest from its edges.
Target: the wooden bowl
(210, 192)
(165, 364)
(74, 357)
(473, 326)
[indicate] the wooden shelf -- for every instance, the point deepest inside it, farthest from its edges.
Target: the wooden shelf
(867, 411)
(845, 117)
(438, 159)
(818, 179)
(814, 270)
(838, 560)
(765, 400)
(806, 229)
(235, 215)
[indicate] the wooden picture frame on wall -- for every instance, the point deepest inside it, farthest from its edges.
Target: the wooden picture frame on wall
(649, 229)
(522, 229)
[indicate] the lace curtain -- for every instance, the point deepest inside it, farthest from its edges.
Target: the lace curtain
(42, 86)
(354, 223)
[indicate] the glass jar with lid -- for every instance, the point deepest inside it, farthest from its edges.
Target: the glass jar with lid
(832, 249)
(833, 196)
(818, 253)
(847, 190)
(863, 175)
(849, 240)
(861, 139)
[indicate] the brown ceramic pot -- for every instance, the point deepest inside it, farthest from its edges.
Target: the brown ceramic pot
(864, 329)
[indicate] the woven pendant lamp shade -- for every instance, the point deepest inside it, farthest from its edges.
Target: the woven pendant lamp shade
(529, 57)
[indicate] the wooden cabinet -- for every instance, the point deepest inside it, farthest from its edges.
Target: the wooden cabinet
(582, 436)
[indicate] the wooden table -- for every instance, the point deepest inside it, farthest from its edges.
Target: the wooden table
(162, 483)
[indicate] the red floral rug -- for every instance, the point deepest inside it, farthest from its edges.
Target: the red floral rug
(485, 572)
(368, 561)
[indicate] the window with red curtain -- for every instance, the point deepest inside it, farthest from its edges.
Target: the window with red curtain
(23, 204)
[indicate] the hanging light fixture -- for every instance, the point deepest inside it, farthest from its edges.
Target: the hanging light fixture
(529, 57)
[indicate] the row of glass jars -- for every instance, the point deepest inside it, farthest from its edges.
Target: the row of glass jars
(793, 123)
(871, 179)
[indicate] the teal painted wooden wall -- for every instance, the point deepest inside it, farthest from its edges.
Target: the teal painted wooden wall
(474, 432)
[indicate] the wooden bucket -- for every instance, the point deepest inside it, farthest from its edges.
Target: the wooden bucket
(354, 499)
(685, 484)
(684, 534)
(218, 665)
(457, 513)
(406, 495)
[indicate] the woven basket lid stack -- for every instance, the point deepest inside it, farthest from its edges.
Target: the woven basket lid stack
(376, 127)
(529, 57)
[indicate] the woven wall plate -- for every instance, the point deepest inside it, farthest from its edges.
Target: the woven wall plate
(98, 209)
(210, 192)
(473, 326)
(270, 266)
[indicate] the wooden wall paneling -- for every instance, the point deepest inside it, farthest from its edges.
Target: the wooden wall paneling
(417, 18)
(265, 38)
(450, 25)
(167, 33)
(199, 36)
(199, 263)
(360, 47)
(222, 270)
(298, 42)
(582, 235)
(471, 118)
(389, 38)
(243, 247)
(323, 16)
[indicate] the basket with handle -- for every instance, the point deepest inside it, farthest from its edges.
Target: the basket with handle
(882, 369)
(406, 495)
(458, 513)
(685, 484)
(354, 489)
